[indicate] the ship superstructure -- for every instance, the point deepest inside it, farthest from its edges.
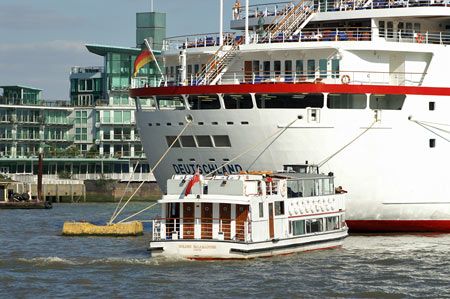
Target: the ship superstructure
(365, 82)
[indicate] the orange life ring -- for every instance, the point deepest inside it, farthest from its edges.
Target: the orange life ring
(419, 38)
(345, 79)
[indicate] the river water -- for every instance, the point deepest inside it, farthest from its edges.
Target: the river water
(36, 261)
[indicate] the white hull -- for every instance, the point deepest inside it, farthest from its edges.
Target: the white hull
(213, 249)
(390, 172)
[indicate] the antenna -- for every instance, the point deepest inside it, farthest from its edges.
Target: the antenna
(152, 8)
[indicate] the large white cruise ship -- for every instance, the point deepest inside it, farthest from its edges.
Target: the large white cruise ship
(360, 88)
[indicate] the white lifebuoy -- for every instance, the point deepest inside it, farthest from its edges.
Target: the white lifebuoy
(345, 79)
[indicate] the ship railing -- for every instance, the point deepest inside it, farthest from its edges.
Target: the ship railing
(316, 76)
(343, 5)
(273, 9)
(194, 41)
(195, 228)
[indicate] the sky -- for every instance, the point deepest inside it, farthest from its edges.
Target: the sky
(40, 40)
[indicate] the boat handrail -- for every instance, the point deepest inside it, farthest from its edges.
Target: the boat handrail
(352, 77)
(332, 6)
(335, 34)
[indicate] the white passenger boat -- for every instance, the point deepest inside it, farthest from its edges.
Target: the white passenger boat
(366, 80)
(243, 216)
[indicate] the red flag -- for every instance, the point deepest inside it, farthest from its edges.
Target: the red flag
(194, 179)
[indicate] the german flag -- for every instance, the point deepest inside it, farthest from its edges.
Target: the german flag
(145, 57)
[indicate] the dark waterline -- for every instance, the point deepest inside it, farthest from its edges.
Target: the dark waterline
(36, 261)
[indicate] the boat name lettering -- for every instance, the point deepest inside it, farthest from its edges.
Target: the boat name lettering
(205, 168)
(184, 246)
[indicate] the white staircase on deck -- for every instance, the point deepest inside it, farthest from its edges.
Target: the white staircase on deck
(219, 63)
(291, 20)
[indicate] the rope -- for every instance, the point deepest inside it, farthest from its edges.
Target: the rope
(253, 147)
(424, 126)
(124, 191)
(153, 169)
(135, 214)
(340, 150)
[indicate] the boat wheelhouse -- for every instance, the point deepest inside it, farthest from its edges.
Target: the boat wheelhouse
(244, 216)
(365, 81)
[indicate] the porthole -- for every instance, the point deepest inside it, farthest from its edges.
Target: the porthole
(230, 123)
(225, 209)
(188, 209)
(431, 106)
(241, 209)
(214, 123)
(169, 124)
(206, 209)
(149, 124)
(244, 122)
(432, 143)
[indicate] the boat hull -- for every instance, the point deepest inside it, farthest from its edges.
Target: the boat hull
(386, 164)
(222, 250)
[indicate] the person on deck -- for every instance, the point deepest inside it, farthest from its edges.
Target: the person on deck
(237, 9)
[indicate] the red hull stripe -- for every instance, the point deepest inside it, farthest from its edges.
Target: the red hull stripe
(383, 226)
(290, 88)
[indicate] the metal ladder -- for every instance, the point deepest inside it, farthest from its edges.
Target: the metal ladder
(294, 19)
(219, 63)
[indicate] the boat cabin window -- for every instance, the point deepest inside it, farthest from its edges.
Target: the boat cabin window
(347, 101)
(289, 101)
(171, 139)
(187, 141)
(288, 68)
(174, 102)
(308, 188)
(311, 68)
(335, 68)
(277, 67)
(221, 141)
(299, 67)
(323, 68)
(261, 210)
(387, 101)
(279, 208)
(314, 225)
(204, 102)
(266, 67)
(332, 223)
(381, 28)
(294, 188)
(238, 101)
(298, 227)
(204, 141)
